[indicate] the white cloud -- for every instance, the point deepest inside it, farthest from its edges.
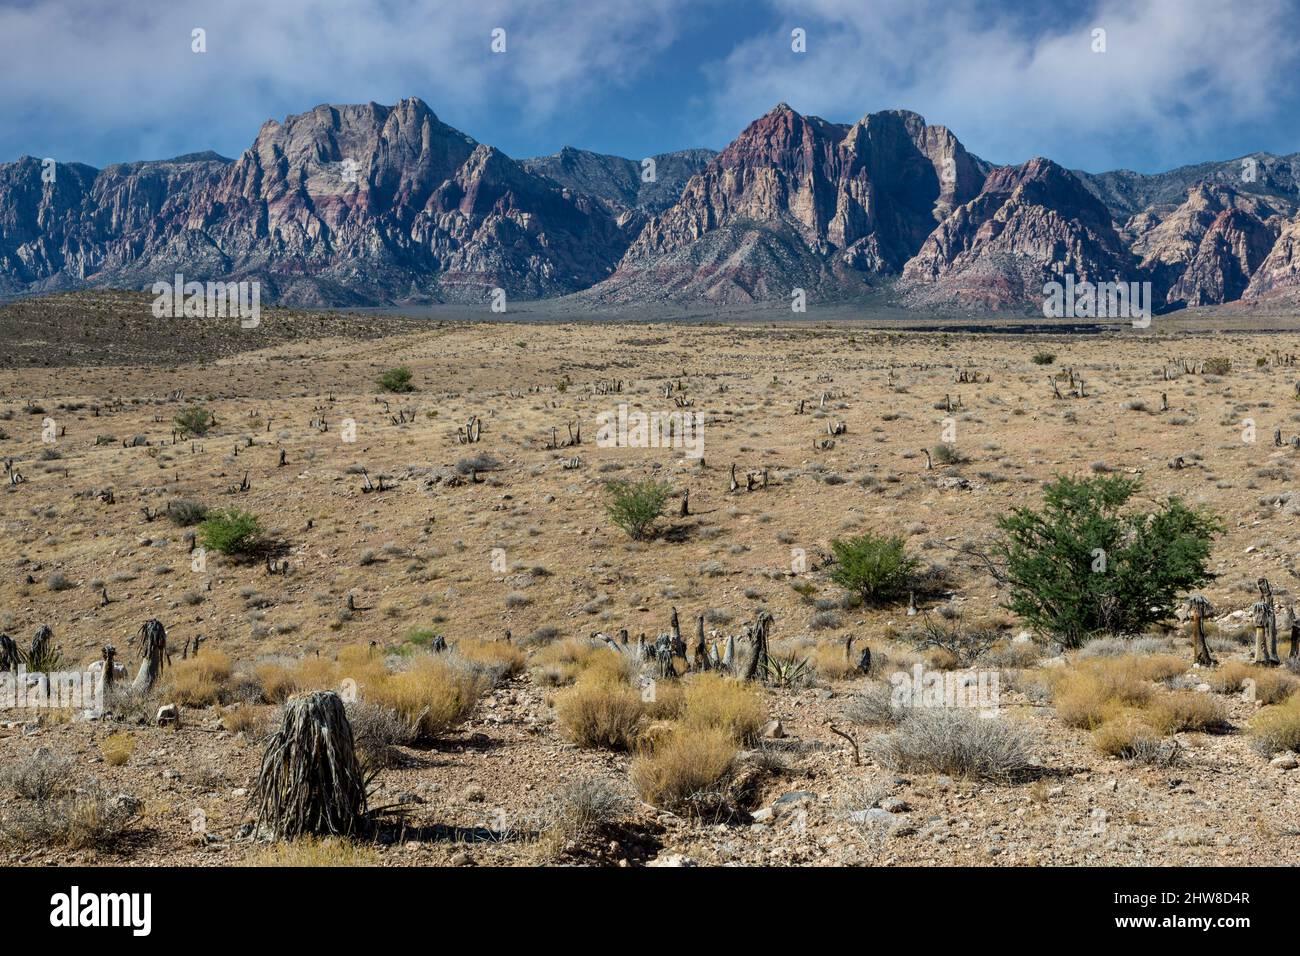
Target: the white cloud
(1175, 72)
(125, 71)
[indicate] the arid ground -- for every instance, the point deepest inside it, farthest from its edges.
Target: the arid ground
(510, 534)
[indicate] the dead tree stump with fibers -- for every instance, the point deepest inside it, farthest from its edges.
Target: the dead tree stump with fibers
(757, 633)
(9, 654)
(153, 654)
(310, 781)
(1265, 626)
(1200, 649)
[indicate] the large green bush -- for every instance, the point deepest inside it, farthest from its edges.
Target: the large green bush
(232, 532)
(875, 567)
(1082, 566)
(636, 506)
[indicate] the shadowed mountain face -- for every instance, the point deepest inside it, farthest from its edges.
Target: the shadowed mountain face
(351, 205)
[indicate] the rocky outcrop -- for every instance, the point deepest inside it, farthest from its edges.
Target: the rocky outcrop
(1204, 251)
(1029, 225)
(1278, 277)
(346, 204)
(622, 185)
(798, 202)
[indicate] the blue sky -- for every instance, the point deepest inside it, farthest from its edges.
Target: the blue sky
(1179, 81)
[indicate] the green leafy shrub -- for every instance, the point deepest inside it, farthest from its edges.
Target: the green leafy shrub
(875, 567)
(1082, 567)
(1044, 358)
(194, 420)
(396, 380)
(232, 532)
(636, 506)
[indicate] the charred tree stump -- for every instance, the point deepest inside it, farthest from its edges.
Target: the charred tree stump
(153, 655)
(1265, 626)
(1200, 649)
(310, 781)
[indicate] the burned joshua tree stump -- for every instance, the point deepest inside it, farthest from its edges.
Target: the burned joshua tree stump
(1200, 649)
(310, 781)
(153, 654)
(1265, 626)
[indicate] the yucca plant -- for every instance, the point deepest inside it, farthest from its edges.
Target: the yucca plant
(790, 670)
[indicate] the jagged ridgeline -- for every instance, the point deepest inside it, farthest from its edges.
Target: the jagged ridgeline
(371, 204)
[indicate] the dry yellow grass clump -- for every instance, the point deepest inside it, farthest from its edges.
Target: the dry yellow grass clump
(117, 749)
(1187, 710)
(315, 851)
(1088, 693)
(598, 711)
(434, 694)
(713, 701)
(687, 770)
(1277, 727)
(831, 662)
(509, 659)
(1272, 686)
(1125, 733)
(199, 680)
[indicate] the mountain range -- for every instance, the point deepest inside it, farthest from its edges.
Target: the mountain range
(370, 204)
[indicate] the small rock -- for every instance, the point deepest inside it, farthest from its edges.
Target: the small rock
(1285, 762)
(168, 714)
(773, 730)
(459, 858)
(894, 805)
(673, 859)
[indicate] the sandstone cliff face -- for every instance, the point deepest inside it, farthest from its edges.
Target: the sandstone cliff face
(820, 206)
(347, 204)
(373, 204)
(1278, 277)
(1204, 251)
(1029, 225)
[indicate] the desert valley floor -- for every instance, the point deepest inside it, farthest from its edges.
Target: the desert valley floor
(510, 534)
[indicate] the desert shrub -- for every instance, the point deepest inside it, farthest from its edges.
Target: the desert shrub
(687, 771)
(598, 712)
(198, 681)
(1013, 654)
(1218, 365)
(1086, 695)
(1277, 727)
(88, 818)
(243, 718)
(183, 512)
(1083, 567)
(946, 453)
(40, 775)
(1127, 734)
(636, 506)
(954, 741)
(376, 730)
(396, 380)
(501, 659)
(1043, 358)
(714, 701)
(277, 682)
(875, 567)
(435, 694)
(310, 851)
(117, 749)
(873, 706)
(58, 581)
(1186, 710)
(194, 421)
(583, 808)
(232, 532)
(1271, 686)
